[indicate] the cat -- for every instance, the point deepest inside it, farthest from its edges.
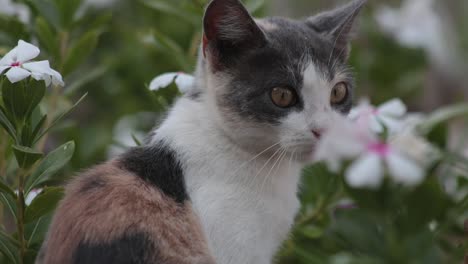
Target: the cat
(217, 182)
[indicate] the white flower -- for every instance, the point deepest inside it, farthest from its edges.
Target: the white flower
(18, 65)
(373, 157)
(389, 114)
(31, 195)
(183, 81)
(11, 8)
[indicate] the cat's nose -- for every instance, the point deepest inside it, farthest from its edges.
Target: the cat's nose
(317, 133)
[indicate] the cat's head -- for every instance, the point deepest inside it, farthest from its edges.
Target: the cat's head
(275, 80)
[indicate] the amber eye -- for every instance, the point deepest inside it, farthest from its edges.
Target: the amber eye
(339, 93)
(283, 97)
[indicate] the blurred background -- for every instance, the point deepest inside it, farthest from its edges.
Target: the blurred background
(416, 50)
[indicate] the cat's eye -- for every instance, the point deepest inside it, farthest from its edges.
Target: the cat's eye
(339, 93)
(283, 97)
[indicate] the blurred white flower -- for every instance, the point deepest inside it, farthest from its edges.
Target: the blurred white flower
(388, 115)
(373, 157)
(183, 81)
(418, 24)
(18, 65)
(31, 195)
(415, 147)
(8, 7)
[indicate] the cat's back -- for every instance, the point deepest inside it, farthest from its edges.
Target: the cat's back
(132, 210)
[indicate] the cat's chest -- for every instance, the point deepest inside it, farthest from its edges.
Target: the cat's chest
(246, 211)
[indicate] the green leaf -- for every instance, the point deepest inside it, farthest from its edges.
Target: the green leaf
(4, 188)
(10, 203)
(38, 127)
(254, 5)
(9, 247)
(136, 140)
(47, 36)
(13, 28)
(87, 78)
(21, 98)
(7, 125)
(80, 51)
(173, 9)
(319, 183)
(43, 204)
(167, 45)
(67, 10)
(59, 117)
(51, 164)
(442, 116)
(36, 231)
(25, 156)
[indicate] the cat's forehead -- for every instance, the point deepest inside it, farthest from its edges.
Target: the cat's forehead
(297, 45)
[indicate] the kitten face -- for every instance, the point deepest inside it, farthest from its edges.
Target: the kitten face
(249, 61)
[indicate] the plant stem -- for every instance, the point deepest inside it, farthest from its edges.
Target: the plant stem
(20, 217)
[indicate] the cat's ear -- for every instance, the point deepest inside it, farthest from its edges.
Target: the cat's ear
(229, 29)
(338, 25)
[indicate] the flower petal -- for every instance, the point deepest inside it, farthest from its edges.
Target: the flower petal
(162, 81)
(26, 51)
(3, 68)
(365, 172)
(375, 124)
(403, 170)
(16, 74)
(56, 78)
(392, 124)
(37, 66)
(394, 107)
(184, 82)
(9, 58)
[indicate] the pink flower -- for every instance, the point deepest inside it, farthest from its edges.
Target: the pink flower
(388, 115)
(372, 158)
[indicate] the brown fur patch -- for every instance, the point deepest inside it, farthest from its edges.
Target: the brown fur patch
(107, 202)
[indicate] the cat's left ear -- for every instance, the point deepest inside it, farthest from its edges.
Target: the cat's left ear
(338, 25)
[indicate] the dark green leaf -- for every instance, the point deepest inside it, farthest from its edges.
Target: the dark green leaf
(20, 99)
(67, 10)
(10, 203)
(4, 188)
(172, 9)
(9, 247)
(47, 36)
(35, 231)
(80, 51)
(7, 125)
(319, 183)
(38, 127)
(43, 204)
(25, 156)
(52, 163)
(59, 117)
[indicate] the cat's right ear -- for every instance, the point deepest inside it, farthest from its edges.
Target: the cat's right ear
(229, 29)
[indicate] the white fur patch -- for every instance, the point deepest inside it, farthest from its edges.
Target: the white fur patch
(247, 204)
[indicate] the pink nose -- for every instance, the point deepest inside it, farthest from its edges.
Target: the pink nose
(317, 133)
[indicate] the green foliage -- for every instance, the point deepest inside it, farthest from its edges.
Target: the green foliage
(111, 55)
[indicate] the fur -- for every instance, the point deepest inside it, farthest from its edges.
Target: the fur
(217, 181)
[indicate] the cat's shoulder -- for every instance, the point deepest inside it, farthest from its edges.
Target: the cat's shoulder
(132, 209)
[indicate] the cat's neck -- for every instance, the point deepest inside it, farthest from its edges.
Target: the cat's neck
(193, 130)
(244, 199)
